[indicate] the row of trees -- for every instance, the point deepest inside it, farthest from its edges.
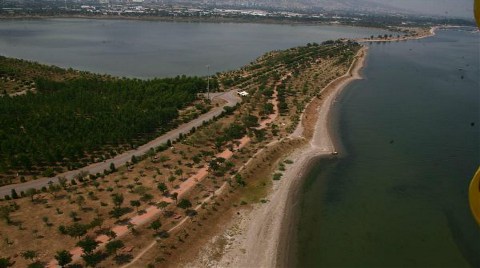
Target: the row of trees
(90, 256)
(23, 69)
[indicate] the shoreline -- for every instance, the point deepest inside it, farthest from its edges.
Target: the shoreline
(287, 245)
(165, 19)
(218, 20)
(264, 231)
(260, 20)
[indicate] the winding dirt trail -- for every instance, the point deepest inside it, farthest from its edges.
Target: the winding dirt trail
(260, 242)
(154, 212)
(227, 154)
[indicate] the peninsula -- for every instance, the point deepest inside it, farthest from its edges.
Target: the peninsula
(174, 192)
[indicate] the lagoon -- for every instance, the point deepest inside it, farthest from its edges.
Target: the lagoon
(147, 49)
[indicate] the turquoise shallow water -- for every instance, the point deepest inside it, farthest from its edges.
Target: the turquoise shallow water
(411, 134)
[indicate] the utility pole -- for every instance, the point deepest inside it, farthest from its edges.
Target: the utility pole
(208, 82)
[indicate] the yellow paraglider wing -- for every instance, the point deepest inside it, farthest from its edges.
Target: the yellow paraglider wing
(474, 196)
(476, 11)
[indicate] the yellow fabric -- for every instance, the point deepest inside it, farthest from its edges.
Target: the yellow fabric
(474, 196)
(476, 10)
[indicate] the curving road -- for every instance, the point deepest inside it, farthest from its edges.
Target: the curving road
(230, 97)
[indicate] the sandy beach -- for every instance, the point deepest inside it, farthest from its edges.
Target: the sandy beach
(258, 237)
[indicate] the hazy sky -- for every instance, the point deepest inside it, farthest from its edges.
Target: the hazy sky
(455, 8)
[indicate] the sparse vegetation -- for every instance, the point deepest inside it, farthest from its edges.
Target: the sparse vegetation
(90, 205)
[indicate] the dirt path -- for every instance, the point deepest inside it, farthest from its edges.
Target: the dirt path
(20, 93)
(154, 212)
(227, 154)
(259, 242)
(230, 97)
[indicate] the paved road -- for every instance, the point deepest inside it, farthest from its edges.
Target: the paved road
(119, 160)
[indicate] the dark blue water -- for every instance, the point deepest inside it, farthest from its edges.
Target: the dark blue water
(411, 133)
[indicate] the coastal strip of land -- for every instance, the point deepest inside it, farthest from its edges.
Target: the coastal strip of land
(262, 233)
(174, 198)
(419, 33)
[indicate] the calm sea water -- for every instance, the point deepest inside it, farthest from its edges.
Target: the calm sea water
(411, 132)
(152, 48)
